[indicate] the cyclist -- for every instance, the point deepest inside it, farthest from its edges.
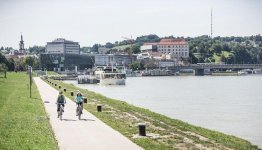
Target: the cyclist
(79, 100)
(60, 101)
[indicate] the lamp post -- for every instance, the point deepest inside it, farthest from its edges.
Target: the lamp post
(30, 79)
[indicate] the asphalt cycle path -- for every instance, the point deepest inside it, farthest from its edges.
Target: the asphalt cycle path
(89, 133)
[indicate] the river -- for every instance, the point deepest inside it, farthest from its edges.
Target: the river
(229, 104)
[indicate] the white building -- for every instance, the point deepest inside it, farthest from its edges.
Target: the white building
(63, 46)
(177, 47)
(148, 48)
(113, 59)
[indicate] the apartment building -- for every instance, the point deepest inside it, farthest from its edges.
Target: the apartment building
(177, 47)
(63, 46)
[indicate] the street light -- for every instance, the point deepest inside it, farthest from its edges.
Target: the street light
(30, 79)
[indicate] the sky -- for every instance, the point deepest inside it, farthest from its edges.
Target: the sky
(100, 21)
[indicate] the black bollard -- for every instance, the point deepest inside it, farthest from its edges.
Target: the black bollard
(72, 93)
(59, 86)
(99, 108)
(65, 89)
(142, 129)
(85, 100)
(55, 84)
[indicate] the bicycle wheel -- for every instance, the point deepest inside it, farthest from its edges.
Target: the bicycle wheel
(79, 112)
(61, 112)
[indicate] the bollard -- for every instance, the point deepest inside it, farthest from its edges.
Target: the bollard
(52, 83)
(59, 86)
(142, 129)
(85, 100)
(99, 108)
(55, 84)
(72, 93)
(65, 89)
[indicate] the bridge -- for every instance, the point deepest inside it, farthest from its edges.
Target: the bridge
(199, 68)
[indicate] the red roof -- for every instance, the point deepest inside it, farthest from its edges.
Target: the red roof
(172, 42)
(169, 42)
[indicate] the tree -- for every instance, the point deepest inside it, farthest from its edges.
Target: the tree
(8, 63)
(148, 38)
(136, 65)
(241, 54)
(128, 50)
(222, 58)
(135, 49)
(86, 49)
(3, 67)
(226, 47)
(230, 59)
(11, 64)
(150, 65)
(36, 63)
(29, 61)
(36, 49)
(95, 48)
(109, 45)
(193, 58)
(217, 48)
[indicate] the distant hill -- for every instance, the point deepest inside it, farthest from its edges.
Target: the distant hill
(204, 49)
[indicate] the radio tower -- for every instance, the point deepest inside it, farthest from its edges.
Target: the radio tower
(211, 25)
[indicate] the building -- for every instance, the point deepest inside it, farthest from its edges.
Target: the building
(64, 46)
(114, 59)
(62, 62)
(18, 53)
(21, 46)
(62, 55)
(148, 48)
(178, 47)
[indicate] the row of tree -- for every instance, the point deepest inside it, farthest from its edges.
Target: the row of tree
(18, 64)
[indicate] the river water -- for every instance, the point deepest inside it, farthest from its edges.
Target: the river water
(229, 104)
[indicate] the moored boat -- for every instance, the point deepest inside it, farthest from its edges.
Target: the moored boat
(110, 75)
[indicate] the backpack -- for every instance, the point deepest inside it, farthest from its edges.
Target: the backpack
(61, 99)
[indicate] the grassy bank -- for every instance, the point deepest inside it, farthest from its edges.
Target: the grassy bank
(162, 132)
(23, 121)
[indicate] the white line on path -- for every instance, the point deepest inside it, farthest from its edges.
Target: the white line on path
(73, 134)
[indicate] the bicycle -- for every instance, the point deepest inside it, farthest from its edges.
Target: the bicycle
(79, 111)
(61, 110)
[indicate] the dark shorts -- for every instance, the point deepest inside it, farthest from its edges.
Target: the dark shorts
(58, 106)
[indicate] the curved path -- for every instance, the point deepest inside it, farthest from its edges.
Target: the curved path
(73, 134)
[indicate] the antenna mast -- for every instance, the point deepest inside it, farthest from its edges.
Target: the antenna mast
(211, 25)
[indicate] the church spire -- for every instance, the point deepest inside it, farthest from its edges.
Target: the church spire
(21, 37)
(21, 45)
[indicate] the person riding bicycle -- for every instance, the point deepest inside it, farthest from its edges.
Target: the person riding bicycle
(60, 100)
(79, 100)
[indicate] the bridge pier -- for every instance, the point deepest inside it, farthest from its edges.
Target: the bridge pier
(199, 72)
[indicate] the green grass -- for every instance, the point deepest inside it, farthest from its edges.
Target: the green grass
(225, 53)
(122, 47)
(52, 73)
(169, 133)
(23, 121)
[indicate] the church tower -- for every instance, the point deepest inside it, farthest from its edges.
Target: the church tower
(21, 46)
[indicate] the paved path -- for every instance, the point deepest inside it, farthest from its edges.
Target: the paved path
(73, 134)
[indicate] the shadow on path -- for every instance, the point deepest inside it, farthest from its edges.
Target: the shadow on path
(68, 119)
(87, 120)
